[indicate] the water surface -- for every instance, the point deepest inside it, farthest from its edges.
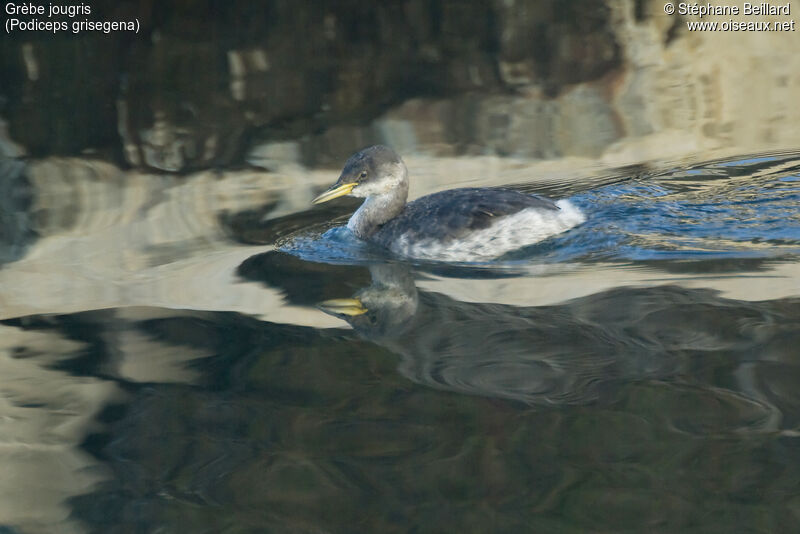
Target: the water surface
(166, 366)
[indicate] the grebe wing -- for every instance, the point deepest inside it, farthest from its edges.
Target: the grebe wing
(454, 213)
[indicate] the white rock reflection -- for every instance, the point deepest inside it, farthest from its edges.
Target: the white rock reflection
(44, 415)
(110, 239)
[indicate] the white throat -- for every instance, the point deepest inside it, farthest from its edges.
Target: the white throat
(385, 199)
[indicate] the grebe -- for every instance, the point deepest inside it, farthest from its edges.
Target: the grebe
(466, 224)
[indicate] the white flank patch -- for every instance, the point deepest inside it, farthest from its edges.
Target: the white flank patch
(506, 234)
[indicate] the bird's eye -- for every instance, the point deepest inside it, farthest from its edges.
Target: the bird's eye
(363, 174)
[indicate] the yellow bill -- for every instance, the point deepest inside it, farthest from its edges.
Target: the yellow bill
(350, 307)
(334, 192)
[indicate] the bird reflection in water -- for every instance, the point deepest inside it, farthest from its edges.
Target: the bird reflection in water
(584, 350)
(537, 355)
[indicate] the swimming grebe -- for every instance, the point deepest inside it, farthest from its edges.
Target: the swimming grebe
(466, 224)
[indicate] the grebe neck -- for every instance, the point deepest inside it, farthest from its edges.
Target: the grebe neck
(377, 210)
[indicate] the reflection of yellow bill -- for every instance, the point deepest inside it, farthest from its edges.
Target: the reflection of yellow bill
(334, 192)
(343, 306)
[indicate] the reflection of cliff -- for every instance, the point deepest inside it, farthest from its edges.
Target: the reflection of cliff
(229, 420)
(45, 414)
(91, 236)
(306, 430)
(63, 379)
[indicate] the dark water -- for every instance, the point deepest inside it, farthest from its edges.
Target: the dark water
(637, 373)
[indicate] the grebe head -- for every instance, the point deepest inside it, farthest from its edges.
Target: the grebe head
(374, 171)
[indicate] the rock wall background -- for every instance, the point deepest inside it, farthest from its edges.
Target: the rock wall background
(203, 79)
(214, 84)
(211, 84)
